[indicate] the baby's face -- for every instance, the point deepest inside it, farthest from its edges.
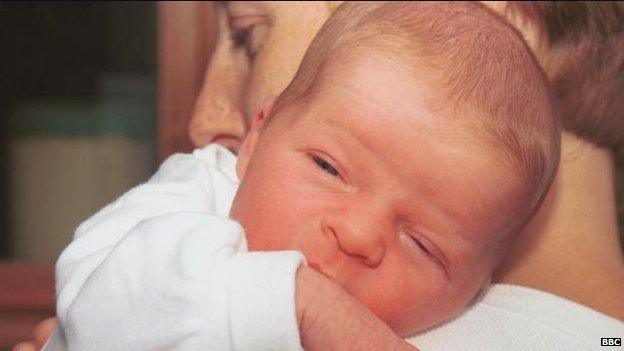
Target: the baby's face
(398, 206)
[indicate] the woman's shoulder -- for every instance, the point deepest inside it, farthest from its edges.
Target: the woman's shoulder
(510, 317)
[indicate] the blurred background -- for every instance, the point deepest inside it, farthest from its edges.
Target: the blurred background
(92, 96)
(82, 119)
(77, 104)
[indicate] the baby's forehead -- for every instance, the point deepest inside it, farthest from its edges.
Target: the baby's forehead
(378, 82)
(449, 188)
(428, 159)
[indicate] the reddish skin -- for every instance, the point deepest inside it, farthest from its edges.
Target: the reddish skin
(365, 225)
(330, 319)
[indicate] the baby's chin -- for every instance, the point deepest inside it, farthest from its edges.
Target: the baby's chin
(410, 327)
(426, 325)
(410, 318)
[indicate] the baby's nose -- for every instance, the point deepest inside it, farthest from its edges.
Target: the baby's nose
(360, 240)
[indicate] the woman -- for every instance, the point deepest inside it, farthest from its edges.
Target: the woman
(571, 247)
(584, 63)
(583, 59)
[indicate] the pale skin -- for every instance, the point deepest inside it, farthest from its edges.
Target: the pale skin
(570, 248)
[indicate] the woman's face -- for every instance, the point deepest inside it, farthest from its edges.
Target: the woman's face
(259, 47)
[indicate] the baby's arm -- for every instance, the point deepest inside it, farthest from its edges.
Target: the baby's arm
(327, 320)
(161, 269)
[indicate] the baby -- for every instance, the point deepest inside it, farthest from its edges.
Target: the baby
(414, 142)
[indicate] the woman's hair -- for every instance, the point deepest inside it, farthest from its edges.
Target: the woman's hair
(580, 45)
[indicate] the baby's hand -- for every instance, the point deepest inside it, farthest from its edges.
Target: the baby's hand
(330, 319)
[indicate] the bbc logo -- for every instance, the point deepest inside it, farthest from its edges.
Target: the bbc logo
(610, 341)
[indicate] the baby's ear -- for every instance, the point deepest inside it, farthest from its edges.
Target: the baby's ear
(251, 139)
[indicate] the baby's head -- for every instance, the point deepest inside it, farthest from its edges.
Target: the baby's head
(415, 140)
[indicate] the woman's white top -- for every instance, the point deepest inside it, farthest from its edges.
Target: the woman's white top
(163, 268)
(515, 318)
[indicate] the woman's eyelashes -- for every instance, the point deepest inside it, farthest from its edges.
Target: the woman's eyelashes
(249, 32)
(248, 24)
(242, 39)
(325, 166)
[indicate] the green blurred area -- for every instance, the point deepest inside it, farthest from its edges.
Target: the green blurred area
(63, 69)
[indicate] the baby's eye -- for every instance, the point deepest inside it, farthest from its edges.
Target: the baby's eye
(422, 247)
(428, 249)
(325, 166)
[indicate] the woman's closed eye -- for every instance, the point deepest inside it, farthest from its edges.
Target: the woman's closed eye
(240, 37)
(243, 39)
(248, 31)
(325, 166)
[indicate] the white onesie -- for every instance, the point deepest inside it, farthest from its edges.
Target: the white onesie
(163, 268)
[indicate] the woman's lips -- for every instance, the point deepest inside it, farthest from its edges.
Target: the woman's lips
(231, 142)
(223, 136)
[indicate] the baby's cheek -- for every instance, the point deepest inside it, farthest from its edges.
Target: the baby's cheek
(399, 302)
(406, 303)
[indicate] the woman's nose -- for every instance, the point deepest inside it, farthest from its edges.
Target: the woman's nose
(360, 235)
(217, 116)
(215, 123)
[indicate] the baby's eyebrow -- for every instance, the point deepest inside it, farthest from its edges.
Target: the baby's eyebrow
(340, 132)
(446, 221)
(440, 227)
(437, 220)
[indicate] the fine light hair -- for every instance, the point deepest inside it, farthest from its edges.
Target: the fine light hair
(478, 70)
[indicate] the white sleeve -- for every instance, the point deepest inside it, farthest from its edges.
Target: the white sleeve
(159, 270)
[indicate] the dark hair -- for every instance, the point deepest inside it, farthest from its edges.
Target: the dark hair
(580, 45)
